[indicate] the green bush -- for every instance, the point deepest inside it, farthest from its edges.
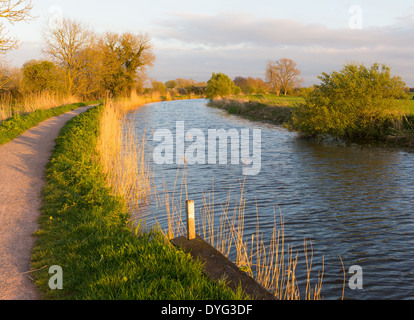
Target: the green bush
(220, 85)
(357, 102)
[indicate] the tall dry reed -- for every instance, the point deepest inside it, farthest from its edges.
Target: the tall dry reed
(32, 102)
(272, 263)
(122, 152)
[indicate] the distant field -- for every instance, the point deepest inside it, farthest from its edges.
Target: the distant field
(411, 108)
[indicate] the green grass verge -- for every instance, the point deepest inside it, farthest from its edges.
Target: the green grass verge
(274, 100)
(86, 231)
(278, 111)
(15, 126)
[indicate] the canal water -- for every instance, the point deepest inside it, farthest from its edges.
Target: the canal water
(351, 202)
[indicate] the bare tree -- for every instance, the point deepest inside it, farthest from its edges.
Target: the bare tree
(69, 43)
(282, 75)
(10, 79)
(13, 11)
(273, 77)
(289, 74)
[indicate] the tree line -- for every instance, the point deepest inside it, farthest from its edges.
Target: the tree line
(178, 87)
(282, 77)
(81, 62)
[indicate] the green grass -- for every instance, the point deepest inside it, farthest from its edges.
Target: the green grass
(273, 100)
(86, 231)
(410, 110)
(268, 107)
(15, 126)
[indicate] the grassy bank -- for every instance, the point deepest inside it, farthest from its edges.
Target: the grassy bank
(271, 99)
(86, 230)
(268, 108)
(15, 126)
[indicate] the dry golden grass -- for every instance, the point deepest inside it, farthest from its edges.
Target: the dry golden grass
(30, 103)
(122, 152)
(135, 100)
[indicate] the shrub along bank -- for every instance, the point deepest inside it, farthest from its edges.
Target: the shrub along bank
(358, 104)
(86, 231)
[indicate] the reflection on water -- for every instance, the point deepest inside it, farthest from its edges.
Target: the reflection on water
(351, 201)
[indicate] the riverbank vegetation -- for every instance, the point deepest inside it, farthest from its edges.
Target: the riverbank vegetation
(257, 99)
(178, 89)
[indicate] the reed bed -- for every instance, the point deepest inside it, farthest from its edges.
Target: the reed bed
(33, 102)
(120, 155)
(122, 152)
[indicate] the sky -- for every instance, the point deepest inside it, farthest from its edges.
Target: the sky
(193, 39)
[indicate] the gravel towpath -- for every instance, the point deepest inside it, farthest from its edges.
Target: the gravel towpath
(22, 177)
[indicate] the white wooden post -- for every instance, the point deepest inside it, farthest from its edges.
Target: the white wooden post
(191, 234)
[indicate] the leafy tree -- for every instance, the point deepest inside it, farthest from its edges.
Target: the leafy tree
(126, 58)
(158, 86)
(39, 76)
(171, 84)
(220, 85)
(356, 102)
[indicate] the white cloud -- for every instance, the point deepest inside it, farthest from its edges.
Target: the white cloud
(241, 28)
(240, 43)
